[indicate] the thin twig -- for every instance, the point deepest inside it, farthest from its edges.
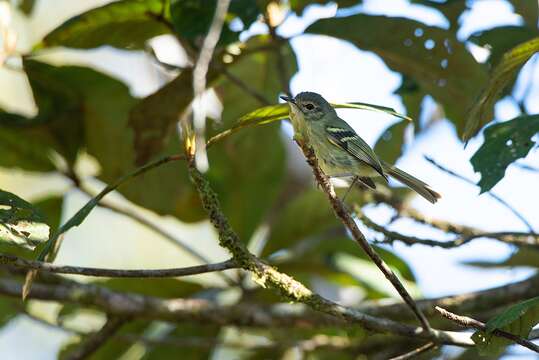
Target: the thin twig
(94, 341)
(490, 193)
(412, 354)
(199, 79)
(513, 238)
(468, 322)
(349, 223)
(115, 273)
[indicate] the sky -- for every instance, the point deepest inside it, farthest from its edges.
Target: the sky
(359, 76)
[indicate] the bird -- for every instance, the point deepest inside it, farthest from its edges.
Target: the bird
(340, 151)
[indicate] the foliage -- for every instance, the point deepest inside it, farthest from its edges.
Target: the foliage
(137, 147)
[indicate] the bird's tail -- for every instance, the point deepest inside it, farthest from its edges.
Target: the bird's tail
(413, 183)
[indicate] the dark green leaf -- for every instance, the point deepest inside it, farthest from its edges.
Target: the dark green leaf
(452, 9)
(25, 147)
(529, 10)
(525, 256)
(501, 39)
(192, 18)
(390, 144)
(122, 24)
(412, 98)
(154, 118)
(247, 170)
(299, 5)
(518, 320)
(504, 143)
(27, 6)
(431, 56)
(51, 208)
(502, 74)
(21, 223)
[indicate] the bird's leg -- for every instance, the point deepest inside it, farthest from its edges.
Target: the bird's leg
(349, 188)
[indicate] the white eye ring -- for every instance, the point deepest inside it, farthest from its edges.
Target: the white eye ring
(309, 106)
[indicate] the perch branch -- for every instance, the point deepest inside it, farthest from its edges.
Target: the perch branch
(344, 216)
(468, 322)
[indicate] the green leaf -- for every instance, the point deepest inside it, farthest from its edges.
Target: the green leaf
(518, 320)
(451, 9)
(21, 224)
(248, 170)
(192, 18)
(271, 113)
(27, 6)
(51, 208)
(447, 71)
(25, 147)
(504, 143)
(390, 144)
(122, 24)
(154, 118)
(299, 5)
(412, 98)
(502, 74)
(501, 39)
(529, 10)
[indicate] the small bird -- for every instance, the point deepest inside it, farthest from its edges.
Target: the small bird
(340, 151)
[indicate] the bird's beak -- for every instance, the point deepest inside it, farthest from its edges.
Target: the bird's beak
(288, 99)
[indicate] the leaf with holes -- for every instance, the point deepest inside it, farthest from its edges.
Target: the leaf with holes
(504, 143)
(518, 320)
(431, 56)
(21, 224)
(502, 74)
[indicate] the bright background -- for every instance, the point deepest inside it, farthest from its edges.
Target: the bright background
(340, 72)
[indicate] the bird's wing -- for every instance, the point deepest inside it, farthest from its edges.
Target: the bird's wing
(344, 137)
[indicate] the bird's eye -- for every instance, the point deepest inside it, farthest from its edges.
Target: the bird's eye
(309, 106)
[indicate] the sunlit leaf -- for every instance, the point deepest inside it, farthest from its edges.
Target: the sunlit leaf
(504, 143)
(518, 320)
(431, 56)
(502, 74)
(122, 24)
(271, 113)
(21, 224)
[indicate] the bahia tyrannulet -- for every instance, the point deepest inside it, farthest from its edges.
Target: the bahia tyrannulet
(340, 151)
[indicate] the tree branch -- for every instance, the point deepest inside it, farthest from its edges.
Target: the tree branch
(117, 273)
(464, 303)
(513, 238)
(344, 216)
(94, 341)
(468, 322)
(266, 275)
(129, 305)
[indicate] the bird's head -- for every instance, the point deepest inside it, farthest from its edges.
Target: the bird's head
(311, 106)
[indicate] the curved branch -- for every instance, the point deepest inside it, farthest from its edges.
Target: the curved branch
(117, 273)
(513, 238)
